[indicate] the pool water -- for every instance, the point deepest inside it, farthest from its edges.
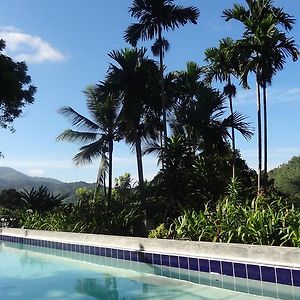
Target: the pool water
(36, 273)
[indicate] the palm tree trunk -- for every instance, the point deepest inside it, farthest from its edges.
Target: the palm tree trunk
(98, 182)
(139, 159)
(259, 149)
(265, 173)
(162, 87)
(110, 162)
(232, 131)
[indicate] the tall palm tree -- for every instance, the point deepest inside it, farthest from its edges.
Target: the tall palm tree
(100, 131)
(263, 50)
(136, 78)
(221, 67)
(154, 17)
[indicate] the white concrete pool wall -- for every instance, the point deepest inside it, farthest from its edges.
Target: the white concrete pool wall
(265, 255)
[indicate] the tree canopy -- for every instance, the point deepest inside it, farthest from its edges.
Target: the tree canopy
(15, 88)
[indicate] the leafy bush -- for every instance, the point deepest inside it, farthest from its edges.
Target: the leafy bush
(88, 215)
(259, 222)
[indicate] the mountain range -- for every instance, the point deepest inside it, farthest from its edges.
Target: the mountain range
(12, 179)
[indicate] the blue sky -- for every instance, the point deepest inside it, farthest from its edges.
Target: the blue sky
(65, 44)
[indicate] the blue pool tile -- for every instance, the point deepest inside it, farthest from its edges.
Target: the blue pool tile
(141, 257)
(108, 252)
(114, 253)
(81, 248)
(134, 256)
(148, 258)
(284, 276)
(183, 262)
(240, 270)
(73, 248)
(227, 268)
(268, 274)
(86, 249)
(204, 265)
(92, 250)
(77, 248)
(296, 277)
(253, 272)
(157, 259)
(215, 266)
(102, 251)
(127, 255)
(174, 261)
(97, 251)
(120, 254)
(165, 260)
(193, 264)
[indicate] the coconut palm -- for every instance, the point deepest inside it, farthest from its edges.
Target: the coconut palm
(263, 50)
(136, 78)
(154, 17)
(100, 131)
(221, 67)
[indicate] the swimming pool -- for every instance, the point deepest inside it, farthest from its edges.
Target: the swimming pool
(41, 269)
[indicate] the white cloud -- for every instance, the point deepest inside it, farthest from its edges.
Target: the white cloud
(276, 156)
(35, 172)
(274, 96)
(32, 49)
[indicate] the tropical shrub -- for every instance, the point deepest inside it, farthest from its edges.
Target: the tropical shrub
(88, 215)
(41, 199)
(264, 221)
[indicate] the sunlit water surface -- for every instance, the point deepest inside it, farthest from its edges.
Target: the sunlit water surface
(33, 273)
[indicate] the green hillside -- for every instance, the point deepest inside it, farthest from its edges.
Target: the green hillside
(287, 177)
(12, 179)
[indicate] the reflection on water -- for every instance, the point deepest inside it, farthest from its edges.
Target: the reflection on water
(99, 289)
(35, 273)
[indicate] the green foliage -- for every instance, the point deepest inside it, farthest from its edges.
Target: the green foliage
(90, 215)
(41, 199)
(191, 179)
(15, 88)
(287, 178)
(160, 232)
(261, 222)
(11, 199)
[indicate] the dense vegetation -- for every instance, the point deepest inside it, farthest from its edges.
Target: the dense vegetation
(15, 89)
(204, 189)
(287, 178)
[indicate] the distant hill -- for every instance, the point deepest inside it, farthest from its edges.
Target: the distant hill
(287, 177)
(12, 179)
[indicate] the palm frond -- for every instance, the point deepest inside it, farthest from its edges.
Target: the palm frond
(76, 119)
(89, 152)
(70, 135)
(237, 121)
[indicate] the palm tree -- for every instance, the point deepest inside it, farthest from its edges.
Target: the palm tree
(136, 78)
(155, 16)
(199, 109)
(263, 50)
(204, 124)
(100, 131)
(221, 67)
